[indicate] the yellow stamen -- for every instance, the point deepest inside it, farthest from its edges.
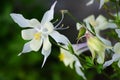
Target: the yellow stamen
(61, 56)
(37, 36)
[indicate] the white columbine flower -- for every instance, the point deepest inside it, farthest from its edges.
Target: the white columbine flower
(97, 48)
(69, 59)
(115, 57)
(101, 2)
(38, 32)
(100, 23)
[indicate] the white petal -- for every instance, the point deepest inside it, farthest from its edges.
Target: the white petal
(78, 70)
(101, 3)
(28, 34)
(116, 57)
(90, 2)
(105, 41)
(68, 58)
(20, 20)
(102, 21)
(46, 43)
(48, 16)
(107, 63)
(78, 26)
(119, 63)
(79, 46)
(111, 25)
(90, 19)
(46, 53)
(34, 23)
(59, 37)
(46, 49)
(26, 48)
(82, 50)
(117, 48)
(35, 44)
(100, 58)
(48, 28)
(118, 32)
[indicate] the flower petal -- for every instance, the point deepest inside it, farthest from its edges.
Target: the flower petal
(26, 48)
(59, 37)
(20, 20)
(101, 56)
(115, 57)
(107, 63)
(28, 34)
(34, 22)
(46, 49)
(46, 43)
(111, 25)
(117, 48)
(78, 70)
(48, 16)
(118, 32)
(79, 46)
(102, 21)
(119, 63)
(78, 26)
(35, 44)
(82, 50)
(89, 20)
(90, 2)
(105, 41)
(101, 3)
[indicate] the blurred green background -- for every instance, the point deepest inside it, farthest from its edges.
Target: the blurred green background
(28, 66)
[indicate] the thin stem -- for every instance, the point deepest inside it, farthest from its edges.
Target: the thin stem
(74, 18)
(108, 10)
(59, 46)
(117, 9)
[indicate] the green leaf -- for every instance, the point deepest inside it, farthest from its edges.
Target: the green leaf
(113, 0)
(92, 29)
(70, 48)
(99, 68)
(89, 62)
(81, 32)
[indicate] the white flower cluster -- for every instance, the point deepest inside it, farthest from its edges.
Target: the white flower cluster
(38, 35)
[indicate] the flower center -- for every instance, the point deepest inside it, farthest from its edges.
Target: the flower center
(37, 35)
(61, 56)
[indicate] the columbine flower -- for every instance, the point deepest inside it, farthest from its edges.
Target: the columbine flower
(39, 32)
(101, 2)
(115, 57)
(97, 48)
(100, 23)
(69, 59)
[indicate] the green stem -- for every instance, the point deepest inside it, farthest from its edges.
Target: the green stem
(108, 11)
(75, 19)
(117, 10)
(59, 46)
